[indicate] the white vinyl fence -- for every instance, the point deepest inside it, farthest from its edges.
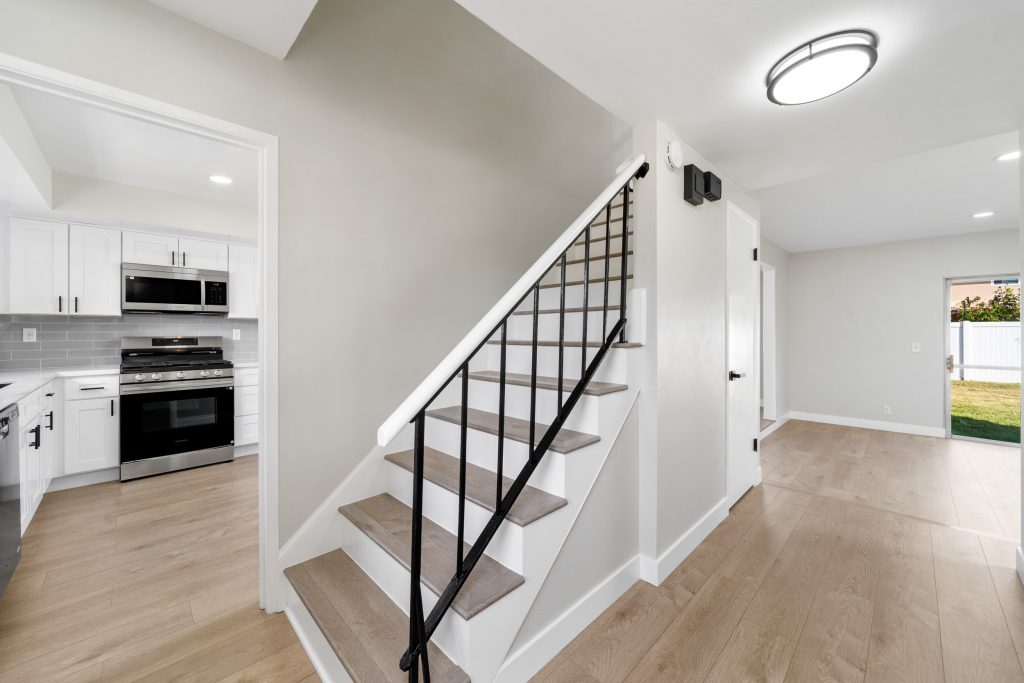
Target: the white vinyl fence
(985, 352)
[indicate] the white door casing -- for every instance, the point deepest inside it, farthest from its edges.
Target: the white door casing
(742, 462)
(767, 336)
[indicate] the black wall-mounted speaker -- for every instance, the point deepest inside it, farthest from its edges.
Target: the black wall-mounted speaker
(693, 185)
(712, 186)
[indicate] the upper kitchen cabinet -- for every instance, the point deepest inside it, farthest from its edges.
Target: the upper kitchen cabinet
(149, 248)
(243, 285)
(202, 254)
(94, 271)
(37, 266)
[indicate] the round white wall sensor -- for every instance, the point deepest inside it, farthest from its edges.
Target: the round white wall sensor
(674, 155)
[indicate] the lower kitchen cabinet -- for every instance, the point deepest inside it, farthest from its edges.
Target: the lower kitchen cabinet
(92, 434)
(247, 405)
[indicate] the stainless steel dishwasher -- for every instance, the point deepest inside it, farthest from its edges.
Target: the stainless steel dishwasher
(10, 495)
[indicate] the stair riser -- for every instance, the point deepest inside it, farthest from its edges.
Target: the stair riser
(547, 324)
(597, 247)
(484, 395)
(442, 507)
(519, 359)
(550, 297)
(482, 450)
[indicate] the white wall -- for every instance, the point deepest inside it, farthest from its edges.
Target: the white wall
(774, 255)
(853, 314)
(425, 162)
(680, 261)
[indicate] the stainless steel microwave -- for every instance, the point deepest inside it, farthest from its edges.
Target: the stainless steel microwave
(168, 289)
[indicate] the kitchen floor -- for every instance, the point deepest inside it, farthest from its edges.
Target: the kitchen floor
(154, 579)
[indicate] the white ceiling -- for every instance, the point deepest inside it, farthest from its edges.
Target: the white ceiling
(83, 140)
(949, 71)
(267, 25)
(921, 195)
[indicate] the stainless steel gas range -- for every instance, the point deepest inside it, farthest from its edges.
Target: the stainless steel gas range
(177, 404)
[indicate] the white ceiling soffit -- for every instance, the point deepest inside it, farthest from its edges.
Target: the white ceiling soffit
(922, 195)
(948, 71)
(83, 140)
(267, 25)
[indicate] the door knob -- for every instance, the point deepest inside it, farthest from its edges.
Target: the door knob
(735, 375)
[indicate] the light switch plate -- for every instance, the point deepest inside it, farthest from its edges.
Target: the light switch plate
(915, 347)
(236, 334)
(28, 334)
(886, 410)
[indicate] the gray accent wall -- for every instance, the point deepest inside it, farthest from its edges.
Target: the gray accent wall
(81, 342)
(425, 163)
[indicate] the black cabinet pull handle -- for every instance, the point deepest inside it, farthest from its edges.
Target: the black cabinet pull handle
(735, 375)
(50, 415)
(60, 304)
(36, 431)
(76, 304)
(111, 407)
(172, 257)
(183, 259)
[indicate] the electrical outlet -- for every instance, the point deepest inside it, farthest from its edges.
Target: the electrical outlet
(236, 334)
(886, 410)
(915, 347)
(28, 334)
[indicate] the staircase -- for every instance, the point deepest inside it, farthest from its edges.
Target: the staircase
(439, 565)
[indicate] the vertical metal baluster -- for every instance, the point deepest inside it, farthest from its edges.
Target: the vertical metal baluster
(423, 637)
(561, 334)
(533, 369)
(462, 467)
(625, 260)
(607, 256)
(586, 301)
(501, 414)
(416, 608)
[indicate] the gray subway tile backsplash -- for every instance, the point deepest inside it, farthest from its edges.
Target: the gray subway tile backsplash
(64, 342)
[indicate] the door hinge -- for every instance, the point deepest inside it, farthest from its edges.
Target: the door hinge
(755, 253)
(755, 445)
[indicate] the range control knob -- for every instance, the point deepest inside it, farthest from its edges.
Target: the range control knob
(155, 375)
(179, 375)
(139, 378)
(204, 373)
(218, 373)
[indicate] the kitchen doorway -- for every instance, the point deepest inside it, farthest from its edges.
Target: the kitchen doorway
(982, 337)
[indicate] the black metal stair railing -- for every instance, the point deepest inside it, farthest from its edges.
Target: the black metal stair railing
(422, 627)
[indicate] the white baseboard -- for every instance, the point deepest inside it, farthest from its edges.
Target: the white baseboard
(1020, 563)
(73, 481)
(319, 651)
(881, 425)
(655, 571)
(542, 648)
(781, 420)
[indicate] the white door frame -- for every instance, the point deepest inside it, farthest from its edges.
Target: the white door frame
(16, 71)
(767, 346)
(755, 343)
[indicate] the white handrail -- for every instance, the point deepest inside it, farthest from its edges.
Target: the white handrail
(457, 357)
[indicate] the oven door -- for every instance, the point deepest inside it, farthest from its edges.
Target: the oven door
(188, 416)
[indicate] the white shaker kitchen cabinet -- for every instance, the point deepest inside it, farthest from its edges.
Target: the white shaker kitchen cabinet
(30, 456)
(243, 282)
(94, 271)
(203, 254)
(92, 435)
(37, 253)
(151, 249)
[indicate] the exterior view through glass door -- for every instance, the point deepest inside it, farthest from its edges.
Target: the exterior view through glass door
(983, 358)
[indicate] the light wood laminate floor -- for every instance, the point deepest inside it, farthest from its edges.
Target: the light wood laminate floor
(864, 556)
(150, 580)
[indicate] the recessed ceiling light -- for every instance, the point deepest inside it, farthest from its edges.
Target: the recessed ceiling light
(984, 214)
(220, 179)
(1009, 156)
(822, 67)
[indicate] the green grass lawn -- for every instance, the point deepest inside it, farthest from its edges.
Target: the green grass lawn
(986, 410)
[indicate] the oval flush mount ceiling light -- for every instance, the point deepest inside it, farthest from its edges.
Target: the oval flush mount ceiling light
(1009, 156)
(822, 67)
(220, 179)
(984, 214)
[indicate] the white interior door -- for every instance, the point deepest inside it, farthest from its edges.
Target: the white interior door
(742, 463)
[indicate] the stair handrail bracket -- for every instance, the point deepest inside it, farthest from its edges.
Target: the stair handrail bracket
(452, 364)
(456, 367)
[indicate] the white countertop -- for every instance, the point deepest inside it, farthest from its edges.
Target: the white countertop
(24, 382)
(250, 364)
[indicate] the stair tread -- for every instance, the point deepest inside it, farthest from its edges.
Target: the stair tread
(388, 522)
(599, 257)
(593, 281)
(616, 218)
(567, 344)
(443, 470)
(366, 629)
(598, 238)
(517, 429)
(574, 309)
(595, 388)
